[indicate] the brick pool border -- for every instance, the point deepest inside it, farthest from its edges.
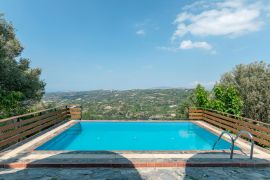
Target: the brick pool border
(182, 164)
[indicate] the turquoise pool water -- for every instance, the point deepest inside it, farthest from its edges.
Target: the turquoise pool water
(134, 136)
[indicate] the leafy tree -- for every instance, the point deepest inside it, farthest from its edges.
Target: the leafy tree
(20, 85)
(253, 83)
(10, 102)
(221, 98)
(226, 99)
(200, 97)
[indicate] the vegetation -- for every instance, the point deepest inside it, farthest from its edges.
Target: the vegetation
(226, 99)
(131, 104)
(252, 81)
(221, 98)
(243, 91)
(20, 85)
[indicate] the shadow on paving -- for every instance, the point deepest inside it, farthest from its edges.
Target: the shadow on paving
(226, 172)
(75, 168)
(75, 172)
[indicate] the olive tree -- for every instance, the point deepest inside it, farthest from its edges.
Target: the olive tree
(253, 83)
(20, 85)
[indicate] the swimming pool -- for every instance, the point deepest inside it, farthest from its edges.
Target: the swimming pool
(111, 136)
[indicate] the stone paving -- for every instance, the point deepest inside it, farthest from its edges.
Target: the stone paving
(134, 174)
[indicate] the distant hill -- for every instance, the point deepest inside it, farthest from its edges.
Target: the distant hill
(128, 104)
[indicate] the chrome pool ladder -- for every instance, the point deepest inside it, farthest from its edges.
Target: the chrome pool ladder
(234, 139)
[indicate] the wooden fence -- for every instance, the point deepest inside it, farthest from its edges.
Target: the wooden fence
(75, 111)
(18, 128)
(259, 130)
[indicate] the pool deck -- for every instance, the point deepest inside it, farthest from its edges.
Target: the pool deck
(189, 173)
(23, 154)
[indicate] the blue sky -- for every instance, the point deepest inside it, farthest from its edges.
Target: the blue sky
(128, 44)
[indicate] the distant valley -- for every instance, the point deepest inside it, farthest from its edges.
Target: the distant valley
(128, 104)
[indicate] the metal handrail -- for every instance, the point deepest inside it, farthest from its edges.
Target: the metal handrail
(250, 137)
(232, 140)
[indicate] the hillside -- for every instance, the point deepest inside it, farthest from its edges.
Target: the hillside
(128, 104)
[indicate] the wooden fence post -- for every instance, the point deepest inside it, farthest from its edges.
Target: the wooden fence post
(75, 111)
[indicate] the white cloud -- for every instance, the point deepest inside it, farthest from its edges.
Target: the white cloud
(146, 27)
(198, 5)
(221, 18)
(188, 44)
(140, 32)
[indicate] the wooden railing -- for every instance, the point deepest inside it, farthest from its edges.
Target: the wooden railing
(75, 111)
(18, 128)
(232, 123)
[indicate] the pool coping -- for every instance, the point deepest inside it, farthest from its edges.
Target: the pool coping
(69, 124)
(198, 123)
(175, 158)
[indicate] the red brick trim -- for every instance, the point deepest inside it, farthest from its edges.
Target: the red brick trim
(134, 165)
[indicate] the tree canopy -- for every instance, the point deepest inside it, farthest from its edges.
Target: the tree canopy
(252, 81)
(20, 85)
(243, 91)
(221, 98)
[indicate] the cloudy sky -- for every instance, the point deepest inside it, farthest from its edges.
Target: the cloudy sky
(127, 44)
